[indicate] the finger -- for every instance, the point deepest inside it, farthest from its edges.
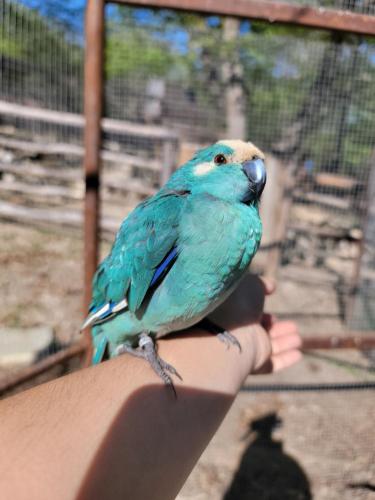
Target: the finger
(285, 343)
(285, 359)
(282, 328)
(269, 285)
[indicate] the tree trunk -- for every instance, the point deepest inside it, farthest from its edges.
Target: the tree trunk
(235, 101)
(361, 310)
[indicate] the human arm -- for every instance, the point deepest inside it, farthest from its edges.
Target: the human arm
(114, 431)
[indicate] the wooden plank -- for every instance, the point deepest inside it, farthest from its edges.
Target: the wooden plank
(138, 129)
(321, 232)
(42, 190)
(47, 190)
(41, 147)
(74, 120)
(322, 199)
(38, 171)
(53, 216)
(336, 181)
(66, 149)
(128, 186)
(272, 12)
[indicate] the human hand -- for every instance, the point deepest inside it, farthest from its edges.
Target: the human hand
(275, 344)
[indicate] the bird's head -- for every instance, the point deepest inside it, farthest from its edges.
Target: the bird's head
(232, 170)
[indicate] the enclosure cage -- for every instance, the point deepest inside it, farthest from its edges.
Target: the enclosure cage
(163, 79)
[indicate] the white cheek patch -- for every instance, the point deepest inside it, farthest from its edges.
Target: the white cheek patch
(204, 168)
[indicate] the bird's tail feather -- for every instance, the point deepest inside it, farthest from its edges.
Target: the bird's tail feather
(104, 312)
(100, 346)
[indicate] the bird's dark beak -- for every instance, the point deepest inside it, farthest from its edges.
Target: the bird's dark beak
(255, 171)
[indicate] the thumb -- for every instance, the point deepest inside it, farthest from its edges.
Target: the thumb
(269, 285)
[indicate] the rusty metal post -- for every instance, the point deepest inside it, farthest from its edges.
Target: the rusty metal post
(93, 92)
(352, 340)
(29, 373)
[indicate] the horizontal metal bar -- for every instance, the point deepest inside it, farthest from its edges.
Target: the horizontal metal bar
(360, 341)
(327, 386)
(38, 368)
(273, 12)
(356, 340)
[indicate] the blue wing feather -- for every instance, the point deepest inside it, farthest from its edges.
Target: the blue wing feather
(164, 266)
(144, 250)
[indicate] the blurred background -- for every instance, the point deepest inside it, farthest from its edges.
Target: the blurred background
(173, 82)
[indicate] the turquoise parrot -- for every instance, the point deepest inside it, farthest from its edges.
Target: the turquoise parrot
(179, 254)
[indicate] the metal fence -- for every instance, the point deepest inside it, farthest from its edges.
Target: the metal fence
(174, 81)
(305, 97)
(41, 61)
(363, 7)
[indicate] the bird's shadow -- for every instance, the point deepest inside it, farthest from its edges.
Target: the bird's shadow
(266, 472)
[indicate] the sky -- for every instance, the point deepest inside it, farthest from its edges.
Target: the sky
(69, 13)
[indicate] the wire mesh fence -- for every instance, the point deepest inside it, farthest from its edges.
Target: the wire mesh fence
(305, 97)
(41, 68)
(359, 6)
(173, 83)
(41, 62)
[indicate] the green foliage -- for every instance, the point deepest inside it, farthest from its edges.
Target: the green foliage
(123, 55)
(40, 61)
(309, 90)
(10, 48)
(28, 36)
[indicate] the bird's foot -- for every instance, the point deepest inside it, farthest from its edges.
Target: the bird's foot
(146, 349)
(221, 334)
(229, 339)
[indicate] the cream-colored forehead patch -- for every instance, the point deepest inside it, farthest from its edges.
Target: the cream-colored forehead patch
(242, 150)
(204, 168)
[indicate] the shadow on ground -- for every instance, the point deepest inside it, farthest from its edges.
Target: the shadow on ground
(266, 472)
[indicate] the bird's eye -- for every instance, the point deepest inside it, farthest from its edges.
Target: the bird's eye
(220, 159)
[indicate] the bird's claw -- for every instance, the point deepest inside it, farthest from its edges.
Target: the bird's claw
(221, 334)
(171, 369)
(229, 339)
(146, 350)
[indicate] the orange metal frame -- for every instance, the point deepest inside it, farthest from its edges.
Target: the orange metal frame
(270, 11)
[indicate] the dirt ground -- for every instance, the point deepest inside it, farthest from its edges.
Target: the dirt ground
(273, 445)
(294, 445)
(41, 279)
